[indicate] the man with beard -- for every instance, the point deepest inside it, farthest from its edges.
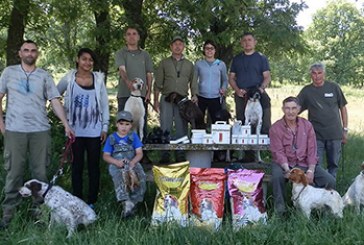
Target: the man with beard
(26, 129)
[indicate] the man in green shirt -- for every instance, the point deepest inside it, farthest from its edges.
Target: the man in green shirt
(133, 62)
(174, 74)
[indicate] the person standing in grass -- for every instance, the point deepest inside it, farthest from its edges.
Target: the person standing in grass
(293, 145)
(26, 129)
(87, 105)
(123, 151)
(212, 81)
(326, 105)
(133, 62)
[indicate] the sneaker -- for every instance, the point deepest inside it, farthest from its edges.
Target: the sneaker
(128, 209)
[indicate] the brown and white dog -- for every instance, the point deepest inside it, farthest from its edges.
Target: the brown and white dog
(135, 106)
(65, 208)
(355, 194)
(307, 197)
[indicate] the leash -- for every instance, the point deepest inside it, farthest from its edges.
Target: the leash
(67, 156)
(299, 194)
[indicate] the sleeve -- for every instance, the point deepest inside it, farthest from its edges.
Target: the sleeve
(233, 67)
(311, 145)
(50, 90)
(3, 82)
(107, 147)
(104, 100)
(266, 66)
(159, 77)
(341, 98)
(148, 63)
(62, 84)
(301, 99)
(193, 80)
(277, 147)
(224, 78)
(119, 59)
(136, 141)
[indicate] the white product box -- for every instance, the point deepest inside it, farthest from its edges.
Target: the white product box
(207, 139)
(221, 132)
(263, 139)
(253, 139)
(197, 136)
(236, 139)
(246, 130)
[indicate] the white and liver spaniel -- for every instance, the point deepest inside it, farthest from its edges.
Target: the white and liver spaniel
(355, 194)
(306, 197)
(65, 208)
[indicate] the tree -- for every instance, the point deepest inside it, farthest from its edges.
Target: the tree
(337, 38)
(18, 20)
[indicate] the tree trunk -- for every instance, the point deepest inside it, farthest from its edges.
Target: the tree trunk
(134, 16)
(18, 21)
(103, 27)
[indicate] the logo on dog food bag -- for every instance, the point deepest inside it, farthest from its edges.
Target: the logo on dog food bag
(208, 186)
(244, 186)
(171, 182)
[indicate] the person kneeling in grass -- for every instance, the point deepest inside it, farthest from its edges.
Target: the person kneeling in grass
(123, 151)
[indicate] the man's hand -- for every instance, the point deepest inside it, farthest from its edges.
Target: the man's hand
(240, 92)
(309, 176)
(345, 137)
(194, 99)
(103, 137)
(157, 106)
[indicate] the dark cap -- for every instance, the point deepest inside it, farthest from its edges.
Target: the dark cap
(177, 38)
(124, 116)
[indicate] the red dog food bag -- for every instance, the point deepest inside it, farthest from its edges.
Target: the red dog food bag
(207, 196)
(173, 185)
(246, 197)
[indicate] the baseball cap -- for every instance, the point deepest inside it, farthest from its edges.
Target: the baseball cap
(177, 38)
(125, 116)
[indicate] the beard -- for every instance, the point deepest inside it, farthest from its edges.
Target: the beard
(29, 60)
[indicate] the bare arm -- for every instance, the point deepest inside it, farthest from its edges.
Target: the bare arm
(124, 76)
(2, 124)
(266, 80)
(110, 160)
(344, 119)
(138, 157)
(232, 81)
(59, 111)
(149, 86)
(156, 100)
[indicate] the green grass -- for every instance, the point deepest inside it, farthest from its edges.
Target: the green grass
(111, 229)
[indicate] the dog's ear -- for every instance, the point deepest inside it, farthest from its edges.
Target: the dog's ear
(303, 178)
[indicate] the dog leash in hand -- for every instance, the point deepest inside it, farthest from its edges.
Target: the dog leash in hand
(67, 156)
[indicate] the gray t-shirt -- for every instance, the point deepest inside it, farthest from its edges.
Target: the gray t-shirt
(27, 95)
(323, 104)
(137, 64)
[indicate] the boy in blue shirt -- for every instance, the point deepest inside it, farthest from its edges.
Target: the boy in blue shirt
(123, 151)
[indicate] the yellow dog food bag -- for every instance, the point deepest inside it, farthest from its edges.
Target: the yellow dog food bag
(173, 185)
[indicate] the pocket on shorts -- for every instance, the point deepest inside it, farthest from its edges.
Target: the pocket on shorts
(7, 160)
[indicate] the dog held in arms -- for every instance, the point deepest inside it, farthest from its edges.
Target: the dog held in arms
(307, 197)
(254, 114)
(135, 106)
(65, 208)
(355, 194)
(188, 110)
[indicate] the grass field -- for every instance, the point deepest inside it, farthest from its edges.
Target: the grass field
(111, 229)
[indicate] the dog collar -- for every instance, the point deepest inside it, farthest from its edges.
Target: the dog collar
(182, 101)
(299, 194)
(135, 96)
(50, 185)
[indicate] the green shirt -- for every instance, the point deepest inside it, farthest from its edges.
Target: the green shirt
(176, 76)
(137, 64)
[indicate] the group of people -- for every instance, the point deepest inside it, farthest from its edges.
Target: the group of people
(295, 142)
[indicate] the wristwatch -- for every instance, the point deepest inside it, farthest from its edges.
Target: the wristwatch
(345, 129)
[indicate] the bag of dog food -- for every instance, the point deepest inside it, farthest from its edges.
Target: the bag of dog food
(207, 196)
(246, 197)
(173, 185)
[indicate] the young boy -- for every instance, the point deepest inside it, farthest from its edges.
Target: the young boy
(123, 151)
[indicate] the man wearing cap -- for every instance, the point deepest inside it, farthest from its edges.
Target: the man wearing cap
(250, 69)
(133, 62)
(123, 151)
(174, 74)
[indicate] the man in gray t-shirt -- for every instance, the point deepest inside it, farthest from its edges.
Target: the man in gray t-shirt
(326, 105)
(26, 129)
(133, 62)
